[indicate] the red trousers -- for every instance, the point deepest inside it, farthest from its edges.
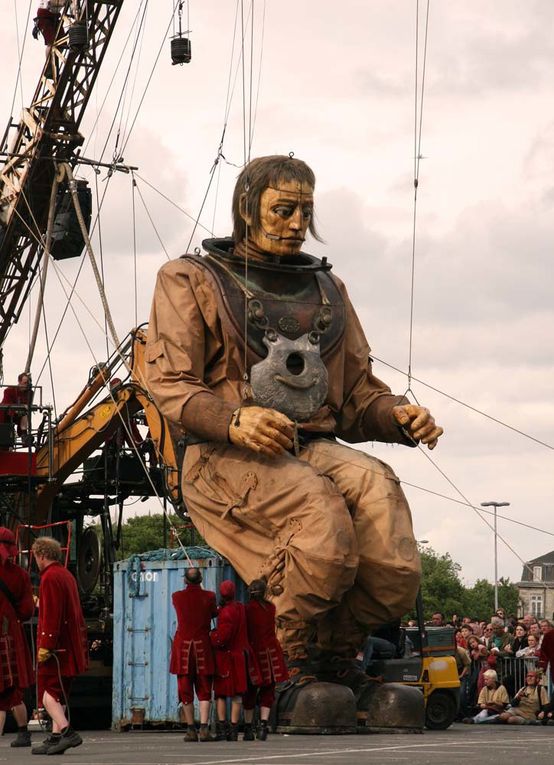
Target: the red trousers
(187, 684)
(265, 699)
(10, 698)
(48, 679)
(47, 22)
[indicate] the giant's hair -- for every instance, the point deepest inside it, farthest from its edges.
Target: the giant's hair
(256, 177)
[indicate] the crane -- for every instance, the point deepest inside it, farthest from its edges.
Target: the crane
(47, 133)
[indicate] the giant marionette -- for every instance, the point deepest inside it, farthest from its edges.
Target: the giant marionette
(256, 351)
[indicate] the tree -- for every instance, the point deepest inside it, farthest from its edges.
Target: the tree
(479, 599)
(146, 532)
(441, 587)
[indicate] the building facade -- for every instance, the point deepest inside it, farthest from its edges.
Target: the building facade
(536, 588)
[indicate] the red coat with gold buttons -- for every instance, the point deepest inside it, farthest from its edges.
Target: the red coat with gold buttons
(191, 652)
(61, 625)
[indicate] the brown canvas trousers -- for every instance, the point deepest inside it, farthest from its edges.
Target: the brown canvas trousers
(330, 530)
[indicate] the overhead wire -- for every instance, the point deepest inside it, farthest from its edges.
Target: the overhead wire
(152, 221)
(482, 510)
(418, 124)
(149, 80)
(20, 51)
(466, 405)
(475, 510)
(134, 216)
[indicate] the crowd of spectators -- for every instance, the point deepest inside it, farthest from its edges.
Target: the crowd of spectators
(501, 664)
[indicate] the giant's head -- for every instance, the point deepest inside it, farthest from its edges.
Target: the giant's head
(273, 204)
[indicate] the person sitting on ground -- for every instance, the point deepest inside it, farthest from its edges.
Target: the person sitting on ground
(492, 700)
(546, 713)
(527, 703)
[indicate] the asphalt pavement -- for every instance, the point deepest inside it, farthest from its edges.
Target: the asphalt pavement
(484, 745)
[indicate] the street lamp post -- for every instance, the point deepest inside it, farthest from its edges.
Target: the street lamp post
(496, 505)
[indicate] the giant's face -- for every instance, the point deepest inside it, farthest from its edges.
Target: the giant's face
(285, 214)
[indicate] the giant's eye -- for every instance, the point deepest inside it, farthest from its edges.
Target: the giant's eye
(307, 212)
(284, 211)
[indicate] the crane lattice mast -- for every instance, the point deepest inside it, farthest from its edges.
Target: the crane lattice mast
(47, 133)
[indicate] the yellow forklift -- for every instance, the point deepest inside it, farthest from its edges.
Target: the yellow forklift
(428, 663)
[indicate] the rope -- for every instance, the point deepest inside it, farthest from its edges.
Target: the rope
(45, 260)
(152, 221)
(133, 186)
(107, 313)
(468, 406)
(475, 510)
(135, 567)
(417, 158)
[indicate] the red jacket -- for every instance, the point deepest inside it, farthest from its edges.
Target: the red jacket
(192, 651)
(19, 397)
(61, 625)
(16, 667)
(234, 659)
(547, 652)
(260, 620)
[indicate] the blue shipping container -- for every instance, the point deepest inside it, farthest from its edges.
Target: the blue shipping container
(144, 693)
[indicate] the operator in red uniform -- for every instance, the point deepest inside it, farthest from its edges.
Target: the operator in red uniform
(62, 650)
(192, 657)
(260, 621)
(19, 396)
(16, 667)
(234, 660)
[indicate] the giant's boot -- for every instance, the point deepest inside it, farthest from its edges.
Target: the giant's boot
(329, 694)
(304, 704)
(380, 706)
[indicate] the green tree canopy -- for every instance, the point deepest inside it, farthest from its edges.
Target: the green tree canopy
(443, 590)
(441, 587)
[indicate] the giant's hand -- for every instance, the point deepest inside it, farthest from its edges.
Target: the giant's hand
(419, 423)
(262, 430)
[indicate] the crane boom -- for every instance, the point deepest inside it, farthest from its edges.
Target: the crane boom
(48, 132)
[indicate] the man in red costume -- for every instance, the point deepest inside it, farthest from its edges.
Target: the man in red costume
(260, 620)
(19, 396)
(191, 654)
(16, 668)
(234, 660)
(62, 649)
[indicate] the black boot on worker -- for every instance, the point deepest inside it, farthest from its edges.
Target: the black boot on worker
(248, 732)
(204, 733)
(263, 730)
(49, 741)
(69, 738)
(191, 734)
(221, 730)
(233, 732)
(23, 738)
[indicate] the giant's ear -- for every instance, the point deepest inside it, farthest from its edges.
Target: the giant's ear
(243, 209)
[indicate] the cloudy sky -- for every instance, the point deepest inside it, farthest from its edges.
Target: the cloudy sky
(334, 83)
